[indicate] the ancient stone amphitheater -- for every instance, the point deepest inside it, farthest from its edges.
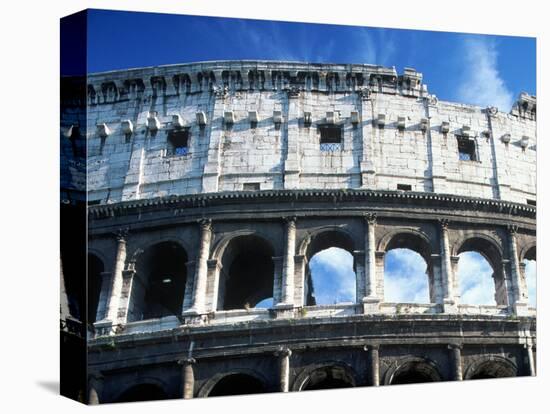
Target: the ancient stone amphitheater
(211, 186)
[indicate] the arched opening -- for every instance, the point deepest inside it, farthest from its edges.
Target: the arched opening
(530, 273)
(493, 369)
(480, 273)
(143, 392)
(236, 384)
(95, 269)
(159, 283)
(327, 378)
(265, 304)
(408, 275)
(415, 372)
(330, 271)
(476, 279)
(246, 278)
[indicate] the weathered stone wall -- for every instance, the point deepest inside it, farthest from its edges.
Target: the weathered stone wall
(392, 133)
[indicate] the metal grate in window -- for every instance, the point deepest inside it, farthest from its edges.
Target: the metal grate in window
(331, 147)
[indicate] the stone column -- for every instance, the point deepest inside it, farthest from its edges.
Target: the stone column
(292, 166)
(284, 368)
(187, 377)
(518, 295)
(449, 304)
(201, 269)
(367, 167)
(371, 299)
(94, 384)
(287, 294)
(456, 357)
(530, 359)
(117, 280)
(374, 361)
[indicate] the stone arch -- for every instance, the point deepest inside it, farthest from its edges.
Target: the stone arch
(244, 377)
(416, 241)
(491, 250)
(411, 370)
(410, 237)
(528, 252)
(136, 249)
(96, 267)
(322, 239)
(220, 245)
(160, 279)
(492, 366)
(247, 272)
(143, 389)
(330, 374)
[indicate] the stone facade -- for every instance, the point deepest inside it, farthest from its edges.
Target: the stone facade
(212, 185)
(259, 124)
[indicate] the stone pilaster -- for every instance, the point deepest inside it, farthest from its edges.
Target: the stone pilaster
(187, 377)
(284, 368)
(215, 131)
(456, 358)
(374, 364)
(371, 299)
(519, 295)
(201, 269)
(449, 302)
(367, 167)
(530, 359)
(287, 291)
(124, 311)
(117, 279)
(292, 166)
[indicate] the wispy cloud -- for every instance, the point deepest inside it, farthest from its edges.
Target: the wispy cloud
(477, 286)
(405, 278)
(333, 276)
(481, 82)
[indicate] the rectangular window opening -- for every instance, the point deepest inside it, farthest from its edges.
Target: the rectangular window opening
(251, 186)
(331, 138)
(466, 149)
(404, 187)
(178, 142)
(532, 202)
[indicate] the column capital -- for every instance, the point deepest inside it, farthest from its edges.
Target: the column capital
(290, 221)
(512, 228)
(371, 347)
(121, 234)
(444, 223)
(187, 361)
(370, 218)
(454, 346)
(205, 224)
(283, 352)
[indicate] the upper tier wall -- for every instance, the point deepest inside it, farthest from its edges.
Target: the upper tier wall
(260, 124)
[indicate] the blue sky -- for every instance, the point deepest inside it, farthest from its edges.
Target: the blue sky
(477, 69)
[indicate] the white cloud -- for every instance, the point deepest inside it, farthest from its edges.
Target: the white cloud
(333, 276)
(531, 277)
(405, 278)
(477, 286)
(482, 84)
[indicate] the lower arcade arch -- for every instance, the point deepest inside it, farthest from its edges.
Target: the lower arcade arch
(491, 368)
(330, 276)
(236, 384)
(326, 376)
(408, 273)
(414, 371)
(247, 274)
(159, 283)
(142, 392)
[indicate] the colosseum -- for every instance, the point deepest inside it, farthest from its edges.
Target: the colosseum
(211, 185)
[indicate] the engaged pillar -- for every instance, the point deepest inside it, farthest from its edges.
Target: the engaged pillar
(201, 269)
(284, 368)
(456, 357)
(188, 377)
